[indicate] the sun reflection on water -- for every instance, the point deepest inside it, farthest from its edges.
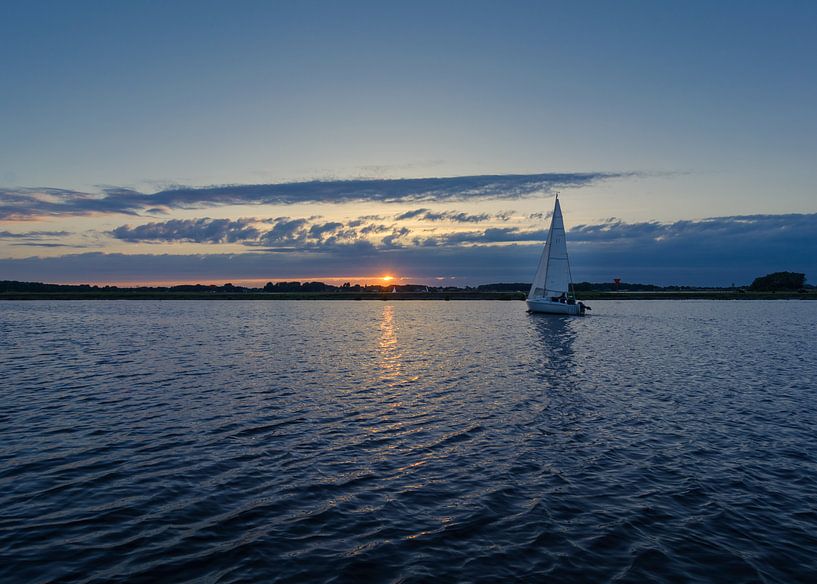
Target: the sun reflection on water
(389, 357)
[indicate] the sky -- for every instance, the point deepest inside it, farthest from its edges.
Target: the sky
(246, 141)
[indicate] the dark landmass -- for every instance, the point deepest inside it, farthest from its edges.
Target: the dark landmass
(779, 281)
(778, 285)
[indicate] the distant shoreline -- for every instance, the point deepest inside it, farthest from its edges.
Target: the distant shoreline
(384, 296)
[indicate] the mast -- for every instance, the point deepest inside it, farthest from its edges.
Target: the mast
(550, 232)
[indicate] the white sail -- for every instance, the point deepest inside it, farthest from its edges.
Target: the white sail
(553, 274)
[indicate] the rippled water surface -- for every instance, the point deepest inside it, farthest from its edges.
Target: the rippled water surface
(407, 442)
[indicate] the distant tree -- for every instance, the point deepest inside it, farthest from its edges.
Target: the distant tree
(411, 288)
(193, 288)
(14, 286)
(316, 287)
(504, 287)
(614, 286)
(282, 287)
(779, 281)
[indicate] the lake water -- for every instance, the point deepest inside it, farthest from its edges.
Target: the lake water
(407, 442)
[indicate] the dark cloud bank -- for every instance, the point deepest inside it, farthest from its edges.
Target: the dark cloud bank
(28, 203)
(279, 234)
(715, 251)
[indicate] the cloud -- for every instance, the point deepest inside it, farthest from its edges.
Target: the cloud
(285, 233)
(46, 244)
(321, 230)
(279, 234)
(204, 230)
(371, 228)
(486, 236)
(740, 230)
(36, 239)
(411, 214)
(423, 214)
(33, 234)
(30, 203)
(541, 216)
(392, 240)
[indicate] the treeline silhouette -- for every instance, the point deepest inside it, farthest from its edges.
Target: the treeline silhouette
(15, 286)
(229, 288)
(595, 287)
(782, 281)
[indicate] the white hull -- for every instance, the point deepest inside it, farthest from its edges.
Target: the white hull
(547, 306)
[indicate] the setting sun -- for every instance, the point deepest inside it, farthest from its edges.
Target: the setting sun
(388, 278)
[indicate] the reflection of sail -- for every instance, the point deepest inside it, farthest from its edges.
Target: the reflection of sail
(553, 345)
(560, 405)
(388, 349)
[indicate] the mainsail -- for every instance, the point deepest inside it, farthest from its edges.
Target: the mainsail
(553, 274)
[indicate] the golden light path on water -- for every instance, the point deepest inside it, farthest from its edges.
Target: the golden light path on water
(388, 348)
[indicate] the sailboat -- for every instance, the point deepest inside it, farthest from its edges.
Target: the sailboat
(551, 291)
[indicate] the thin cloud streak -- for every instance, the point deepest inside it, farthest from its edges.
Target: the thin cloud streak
(423, 214)
(46, 244)
(33, 235)
(23, 204)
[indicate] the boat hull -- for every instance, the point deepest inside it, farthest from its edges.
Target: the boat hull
(546, 306)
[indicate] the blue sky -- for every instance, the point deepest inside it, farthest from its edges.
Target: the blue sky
(121, 119)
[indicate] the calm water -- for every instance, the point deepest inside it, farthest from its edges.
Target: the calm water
(407, 442)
